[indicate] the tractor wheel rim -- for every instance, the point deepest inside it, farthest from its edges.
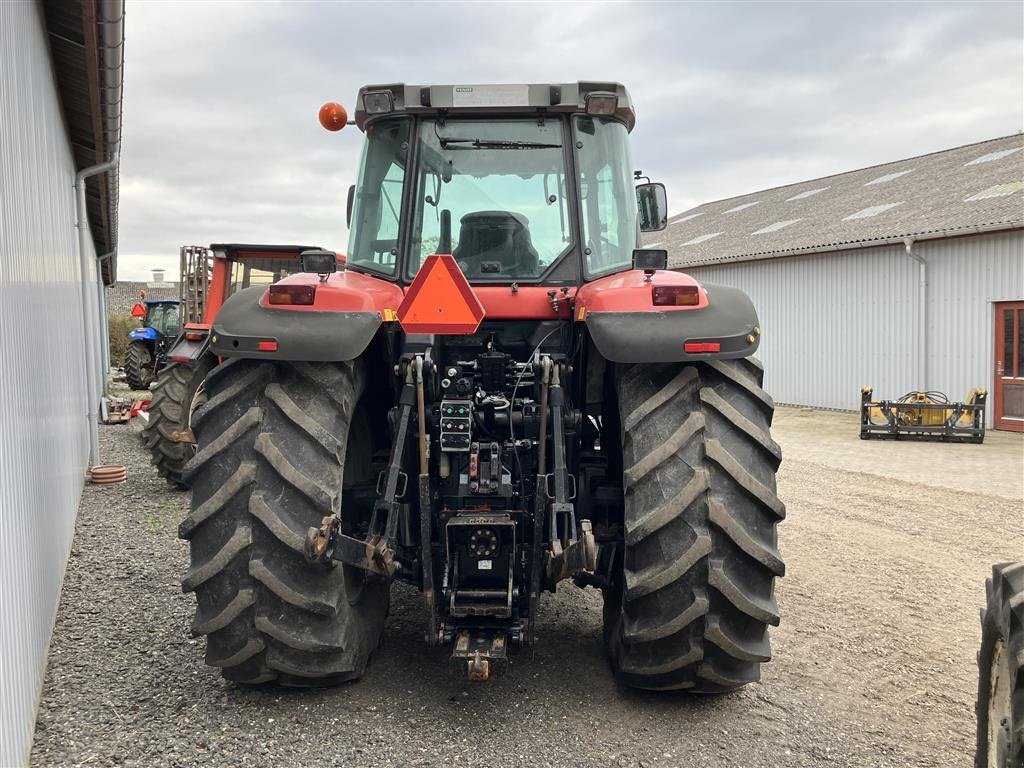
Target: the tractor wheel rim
(1000, 707)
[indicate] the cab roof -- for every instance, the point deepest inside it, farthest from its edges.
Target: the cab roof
(533, 98)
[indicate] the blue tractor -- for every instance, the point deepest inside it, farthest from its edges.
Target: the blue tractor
(147, 347)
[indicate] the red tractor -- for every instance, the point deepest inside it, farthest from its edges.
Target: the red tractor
(208, 277)
(494, 390)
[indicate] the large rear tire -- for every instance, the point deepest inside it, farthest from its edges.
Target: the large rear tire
(275, 442)
(1000, 705)
(138, 365)
(176, 396)
(696, 589)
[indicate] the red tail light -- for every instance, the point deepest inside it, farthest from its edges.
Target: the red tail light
(696, 347)
(195, 335)
(267, 345)
(675, 295)
(294, 295)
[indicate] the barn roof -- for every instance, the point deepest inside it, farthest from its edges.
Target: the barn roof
(973, 188)
(124, 294)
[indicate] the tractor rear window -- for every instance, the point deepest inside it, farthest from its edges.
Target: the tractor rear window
(607, 194)
(255, 271)
(502, 185)
(164, 318)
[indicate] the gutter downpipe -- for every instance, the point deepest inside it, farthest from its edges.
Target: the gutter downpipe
(91, 328)
(922, 311)
(111, 22)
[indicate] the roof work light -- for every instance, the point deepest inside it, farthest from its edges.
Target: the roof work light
(378, 102)
(601, 103)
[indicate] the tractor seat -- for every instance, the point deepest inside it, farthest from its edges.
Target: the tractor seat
(487, 238)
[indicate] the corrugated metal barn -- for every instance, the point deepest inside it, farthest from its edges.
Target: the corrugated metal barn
(904, 276)
(60, 116)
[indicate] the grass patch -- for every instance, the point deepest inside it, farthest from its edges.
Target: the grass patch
(118, 327)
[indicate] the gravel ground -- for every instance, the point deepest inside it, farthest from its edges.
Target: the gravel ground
(874, 661)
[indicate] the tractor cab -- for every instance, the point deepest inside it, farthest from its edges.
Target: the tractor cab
(160, 318)
(520, 183)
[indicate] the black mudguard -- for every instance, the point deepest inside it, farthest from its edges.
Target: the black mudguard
(185, 351)
(658, 336)
(242, 323)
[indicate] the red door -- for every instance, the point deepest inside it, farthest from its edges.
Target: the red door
(1009, 388)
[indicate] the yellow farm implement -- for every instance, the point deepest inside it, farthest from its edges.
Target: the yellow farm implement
(923, 416)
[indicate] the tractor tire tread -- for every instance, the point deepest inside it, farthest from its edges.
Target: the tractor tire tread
(272, 437)
(1002, 622)
(700, 559)
(135, 372)
(173, 396)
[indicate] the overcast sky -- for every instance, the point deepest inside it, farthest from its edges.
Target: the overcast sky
(221, 141)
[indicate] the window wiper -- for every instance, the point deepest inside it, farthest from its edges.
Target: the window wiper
(497, 143)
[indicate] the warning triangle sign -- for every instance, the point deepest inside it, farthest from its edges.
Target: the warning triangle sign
(440, 300)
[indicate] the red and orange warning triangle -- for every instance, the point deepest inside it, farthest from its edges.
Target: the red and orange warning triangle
(440, 300)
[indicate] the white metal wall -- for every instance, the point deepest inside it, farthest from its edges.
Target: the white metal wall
(834, 322)
(831, 323)
(966, 276)
(43, 434)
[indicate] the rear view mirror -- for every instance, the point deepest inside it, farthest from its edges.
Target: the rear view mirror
(322, 263)
(652, 202)
(138, 311)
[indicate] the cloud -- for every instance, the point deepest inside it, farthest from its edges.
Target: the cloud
(221, 141)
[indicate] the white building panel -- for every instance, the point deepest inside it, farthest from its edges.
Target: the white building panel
(44, 445)
(836, 321)
(967, 275)
(831, 323)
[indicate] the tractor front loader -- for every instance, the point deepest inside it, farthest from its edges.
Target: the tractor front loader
(494, 390)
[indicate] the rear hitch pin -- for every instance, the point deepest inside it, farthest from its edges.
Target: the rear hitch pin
(479, 669)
